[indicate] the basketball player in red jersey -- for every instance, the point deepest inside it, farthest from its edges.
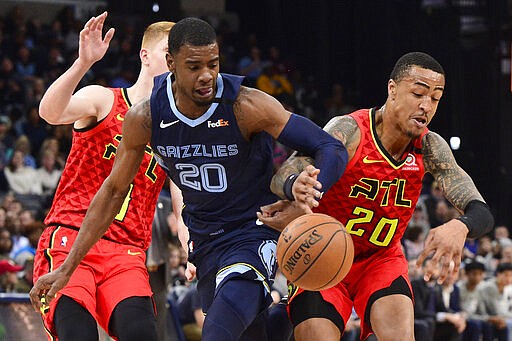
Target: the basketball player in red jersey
(110, 286)
(390, 149)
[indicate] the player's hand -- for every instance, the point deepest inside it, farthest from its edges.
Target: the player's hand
(46, 288)
(92, 45)
(446, 242)
(306, 189)
(279, 214)
(190, 271)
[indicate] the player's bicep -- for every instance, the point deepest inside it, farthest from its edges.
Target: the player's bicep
(456, 185)
(258, 111)
(91, 101)
(346, 130)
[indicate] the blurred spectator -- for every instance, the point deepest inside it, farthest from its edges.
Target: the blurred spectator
(33, 232)
(49, 173)
(251, 66)
(22, 179)
(424, 319)
(22, 144)
(420, 217)
(24, 67)
(11, 88)
(6, 140)
(431, 201)
(8, 275)
(157, 259)
(5, 243)
(496, 306)
(34, 128)
(444, 212)
(190, 314)
(502, 236)
(445, 303)
(274, 83)
(506, 254)
(414, 241)
(485, 255)
(335, 104)
(25, 282)
(176, 268)
(470, 301)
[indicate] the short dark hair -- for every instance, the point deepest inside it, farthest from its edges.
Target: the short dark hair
(410, 59)
(190, 31)
(503, 267)
(474, 265)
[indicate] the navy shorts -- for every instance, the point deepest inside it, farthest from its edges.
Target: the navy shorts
(240, 254)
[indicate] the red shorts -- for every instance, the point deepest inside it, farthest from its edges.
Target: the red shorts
(109, 273)
(366, 277)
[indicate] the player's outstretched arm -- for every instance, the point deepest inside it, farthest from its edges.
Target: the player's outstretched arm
(59, 105)
(446, 242)
(106, 203)
(257, 111)
(343, 128)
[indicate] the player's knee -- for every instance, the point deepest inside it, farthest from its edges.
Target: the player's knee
(133, 319)
(235, 307)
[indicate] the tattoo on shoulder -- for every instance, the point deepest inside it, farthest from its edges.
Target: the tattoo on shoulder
(344, 128)
(455, 183)
(146, 111)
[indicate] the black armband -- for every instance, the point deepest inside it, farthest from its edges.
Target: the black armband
(478, 218)
(287, 186)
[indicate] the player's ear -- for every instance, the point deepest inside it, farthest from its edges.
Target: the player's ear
(392, 89)
(170, 62)
(143, 54)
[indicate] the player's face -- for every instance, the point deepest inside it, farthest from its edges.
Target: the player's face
(415, 98)
(156, 57)
(196, 69)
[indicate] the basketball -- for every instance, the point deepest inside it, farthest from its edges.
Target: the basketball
(315, 252)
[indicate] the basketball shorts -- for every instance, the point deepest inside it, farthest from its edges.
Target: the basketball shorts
(108, 274)
(368, 279)
(236, 256)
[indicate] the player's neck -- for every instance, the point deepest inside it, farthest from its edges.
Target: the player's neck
(391, 138)
(142, 87)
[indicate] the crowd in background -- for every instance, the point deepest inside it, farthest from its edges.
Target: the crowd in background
(476, 305)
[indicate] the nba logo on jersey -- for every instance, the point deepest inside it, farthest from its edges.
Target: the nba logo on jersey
(64, 241)
(191, 246)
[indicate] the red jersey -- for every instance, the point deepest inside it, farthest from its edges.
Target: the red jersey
(89, 163)
(376, 195)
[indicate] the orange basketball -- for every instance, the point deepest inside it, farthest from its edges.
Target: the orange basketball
(315, 252)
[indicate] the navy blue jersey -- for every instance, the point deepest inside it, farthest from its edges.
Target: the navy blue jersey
(223, 177)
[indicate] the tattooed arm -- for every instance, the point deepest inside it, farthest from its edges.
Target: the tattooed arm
(446, 242)
(456, 185)
(343, 128)
(105, 204)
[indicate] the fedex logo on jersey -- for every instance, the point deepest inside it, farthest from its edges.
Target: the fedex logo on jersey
(219, 123)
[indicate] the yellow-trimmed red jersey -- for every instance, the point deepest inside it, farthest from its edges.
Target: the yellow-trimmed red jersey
(376, 195)
(89, 163)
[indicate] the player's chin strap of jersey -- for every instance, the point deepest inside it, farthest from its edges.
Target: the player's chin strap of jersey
(330, 154)
(478, 218)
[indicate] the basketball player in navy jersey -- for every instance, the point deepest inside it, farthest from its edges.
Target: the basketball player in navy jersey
(214, 139)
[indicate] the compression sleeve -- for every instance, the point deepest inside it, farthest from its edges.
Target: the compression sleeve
(478, 218)
(330, 154)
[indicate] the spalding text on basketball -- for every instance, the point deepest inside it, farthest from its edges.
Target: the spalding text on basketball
(301, 251)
